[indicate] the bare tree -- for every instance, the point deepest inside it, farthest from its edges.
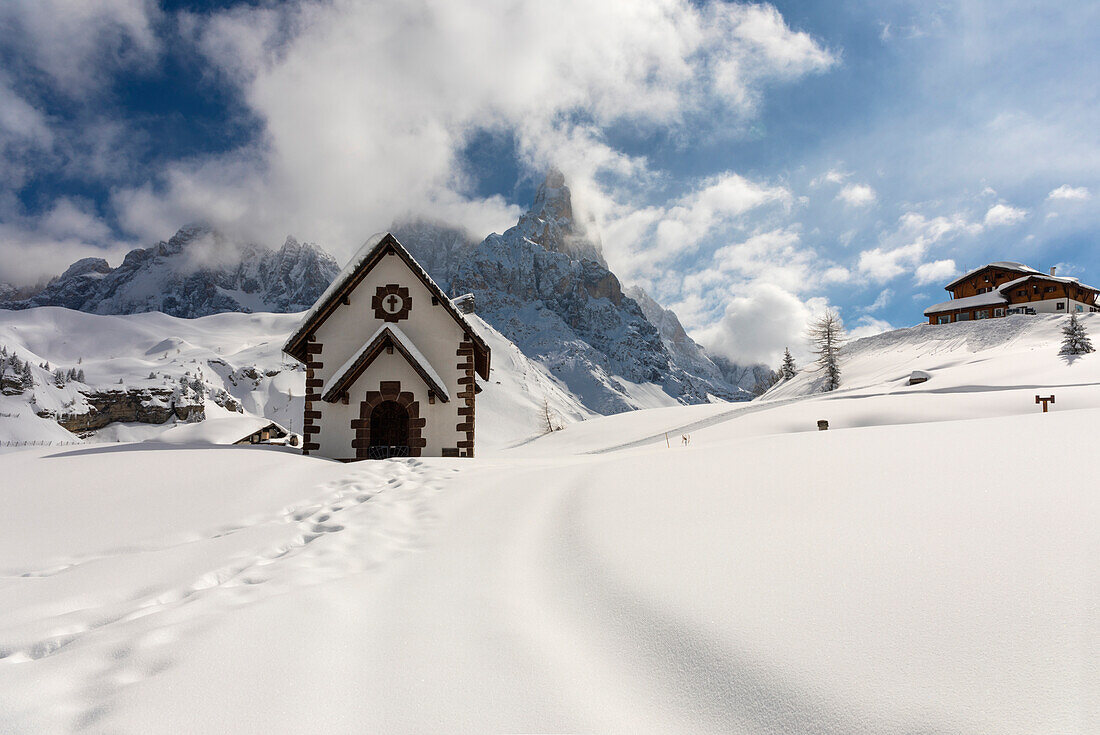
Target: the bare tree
(550, 417)
(826, 334)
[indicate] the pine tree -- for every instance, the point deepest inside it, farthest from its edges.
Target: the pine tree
(80, 375)
(1075, 340)
(28, 376)
(59, 378)
(826, 334)
(788, 370)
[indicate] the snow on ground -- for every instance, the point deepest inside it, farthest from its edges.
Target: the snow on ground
(929, 564)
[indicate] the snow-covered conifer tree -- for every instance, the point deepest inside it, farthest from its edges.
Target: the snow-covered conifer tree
(28, 376)
(788, 370)
(1075, 340)
(826, 334)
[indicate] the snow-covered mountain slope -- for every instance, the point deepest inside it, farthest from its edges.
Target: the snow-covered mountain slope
(926, 565)
(226, 363)
(197, 272)
(999, 353)
(545, 286)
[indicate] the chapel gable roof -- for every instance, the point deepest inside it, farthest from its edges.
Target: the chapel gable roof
(352, 275)
(387, 336)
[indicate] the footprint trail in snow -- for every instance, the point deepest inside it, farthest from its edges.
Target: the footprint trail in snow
(348, 526)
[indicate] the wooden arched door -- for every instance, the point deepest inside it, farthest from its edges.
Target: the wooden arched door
(389, 430)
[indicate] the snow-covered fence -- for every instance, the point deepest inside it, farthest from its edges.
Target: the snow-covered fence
(37, 443)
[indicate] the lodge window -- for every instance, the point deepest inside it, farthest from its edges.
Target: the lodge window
(1048, 289)
(1080, 308)
(984, 314)
(1061, 305)
(945, 319)
(964, 316)
(998, 312)
(987, 279)
(1036, 289)
(1021, 292)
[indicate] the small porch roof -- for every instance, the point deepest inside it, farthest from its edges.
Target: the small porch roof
(387, 335)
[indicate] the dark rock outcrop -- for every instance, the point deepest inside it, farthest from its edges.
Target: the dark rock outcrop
(135, 405)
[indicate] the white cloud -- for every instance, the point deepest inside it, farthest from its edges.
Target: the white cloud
(68, 231)
(869, 326)
(883, 265)
(905, 248)
(758, 324)
(935, 272)
(78, 44)
(832, 176)
(1069, 193)
(1002, 214)
(881, 300)
(366, 107)
(857, 195)
(639, 240)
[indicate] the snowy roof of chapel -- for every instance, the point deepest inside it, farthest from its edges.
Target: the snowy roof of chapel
(364, 260)
(342, 379)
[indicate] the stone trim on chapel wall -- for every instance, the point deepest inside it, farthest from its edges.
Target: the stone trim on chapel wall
(313, 394)
(467, 390)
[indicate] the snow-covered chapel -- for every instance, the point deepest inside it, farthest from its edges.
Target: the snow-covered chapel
(390, 363)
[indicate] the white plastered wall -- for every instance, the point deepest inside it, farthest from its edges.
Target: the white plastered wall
(434, 332)
(1050, 306)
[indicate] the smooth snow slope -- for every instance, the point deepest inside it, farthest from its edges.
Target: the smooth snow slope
(932, 570)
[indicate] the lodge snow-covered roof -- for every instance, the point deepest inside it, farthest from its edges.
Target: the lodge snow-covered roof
(990, 298)
(1008, 265)
(348, 278)
(1045, 277)
(350, 371)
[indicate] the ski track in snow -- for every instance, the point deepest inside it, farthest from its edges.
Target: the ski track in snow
(650, 667)
(352, 525)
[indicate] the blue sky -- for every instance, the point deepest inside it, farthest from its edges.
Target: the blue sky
(747, 164)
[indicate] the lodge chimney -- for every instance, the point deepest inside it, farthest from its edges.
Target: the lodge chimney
(1052, 269)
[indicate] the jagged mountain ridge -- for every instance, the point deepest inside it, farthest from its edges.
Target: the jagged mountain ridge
(197, 272)
(545, 285)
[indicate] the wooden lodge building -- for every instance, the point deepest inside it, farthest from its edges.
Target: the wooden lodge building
(1003, 288)
(390, 363)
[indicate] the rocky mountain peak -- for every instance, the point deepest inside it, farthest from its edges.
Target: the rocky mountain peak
(545, 285)
(85, 266)
(551, 224)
